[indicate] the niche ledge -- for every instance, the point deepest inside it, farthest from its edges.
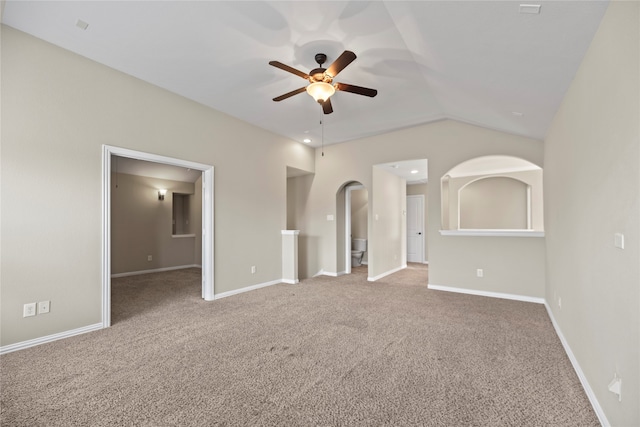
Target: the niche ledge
(493, 233)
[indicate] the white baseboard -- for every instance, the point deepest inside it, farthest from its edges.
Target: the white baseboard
(487, 294)
(576, 367)
(246, 289)
(155, 270)
(386, 273)
(49, 338)
(574, 362)
(291, 282)
(330, 273)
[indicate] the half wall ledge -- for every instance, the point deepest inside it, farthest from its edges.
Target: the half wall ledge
(493, 233)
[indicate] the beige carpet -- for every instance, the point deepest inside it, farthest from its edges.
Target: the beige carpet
(328, 352)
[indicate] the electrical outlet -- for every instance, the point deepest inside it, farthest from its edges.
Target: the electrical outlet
(149, 258)
(480, 272)
(29, 310)
(559, 302)
(253, 269)
(615, 386)
(43, 307)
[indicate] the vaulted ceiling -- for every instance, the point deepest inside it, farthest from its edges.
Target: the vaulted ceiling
(481, 62)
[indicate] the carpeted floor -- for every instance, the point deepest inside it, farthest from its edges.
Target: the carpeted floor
(328, 351)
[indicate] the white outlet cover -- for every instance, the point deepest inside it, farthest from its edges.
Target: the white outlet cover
(43, 307)
(329, 217)
(619, 240)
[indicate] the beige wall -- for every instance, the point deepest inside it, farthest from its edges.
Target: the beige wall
(422, 190)
(141, 225)
(298, 189)
(58, 109)
(196, 221)
(513, 265)
(592, 188)
(359, 213)
(388, 228)
(533, 178)
(494, 203)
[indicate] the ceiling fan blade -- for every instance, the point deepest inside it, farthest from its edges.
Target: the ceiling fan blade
(339, 64)
(326, 106)
(356, 89)
(290, 94)
(289, 69)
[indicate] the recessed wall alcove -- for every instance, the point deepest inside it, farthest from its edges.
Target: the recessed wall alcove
(493, 195)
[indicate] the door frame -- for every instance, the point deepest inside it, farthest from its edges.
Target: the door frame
(422, 238)
(207, 220)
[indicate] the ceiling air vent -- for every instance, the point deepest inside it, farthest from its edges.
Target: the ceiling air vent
(533, 9)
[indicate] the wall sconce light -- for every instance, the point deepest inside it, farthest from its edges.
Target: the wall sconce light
(161, 194)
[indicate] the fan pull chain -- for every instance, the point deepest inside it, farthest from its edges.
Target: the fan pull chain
(322, 132)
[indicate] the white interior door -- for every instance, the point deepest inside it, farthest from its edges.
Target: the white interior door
(415, 228)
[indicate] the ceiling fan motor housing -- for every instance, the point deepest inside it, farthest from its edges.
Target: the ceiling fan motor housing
(318, 74)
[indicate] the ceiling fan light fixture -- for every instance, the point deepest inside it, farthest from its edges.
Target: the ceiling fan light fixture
(320, 91)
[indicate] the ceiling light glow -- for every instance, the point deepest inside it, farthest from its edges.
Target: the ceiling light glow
(306, 140)
(415, 171)
(320, 91)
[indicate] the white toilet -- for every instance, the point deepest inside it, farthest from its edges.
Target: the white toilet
(358, 248)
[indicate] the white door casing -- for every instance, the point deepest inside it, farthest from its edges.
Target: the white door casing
(207, 220)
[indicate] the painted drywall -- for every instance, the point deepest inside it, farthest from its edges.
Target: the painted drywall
(359, 213)
(141, 225)
(494, 203)
(592, 188)
(388, 227)
(359, 217)
(513, 265)
(58, 109)
(422, 190)
(533, 178)
(196, 221)
(298, 189)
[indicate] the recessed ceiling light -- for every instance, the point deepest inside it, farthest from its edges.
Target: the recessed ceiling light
(414, 171)
(533, 9)
(81, 24)
(517, 113)
(306, 140)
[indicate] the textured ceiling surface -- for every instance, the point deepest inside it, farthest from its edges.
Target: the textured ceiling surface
(480, 62)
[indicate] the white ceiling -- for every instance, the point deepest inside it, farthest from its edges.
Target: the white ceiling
(473, 61)
(413, 171)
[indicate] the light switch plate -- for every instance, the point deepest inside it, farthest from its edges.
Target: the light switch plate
(29, 309)
(619, 240)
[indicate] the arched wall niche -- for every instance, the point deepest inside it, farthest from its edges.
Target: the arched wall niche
(493, 193)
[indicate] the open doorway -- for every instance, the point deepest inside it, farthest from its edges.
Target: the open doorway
(206, 230)
(415, 173)
(356, 226)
